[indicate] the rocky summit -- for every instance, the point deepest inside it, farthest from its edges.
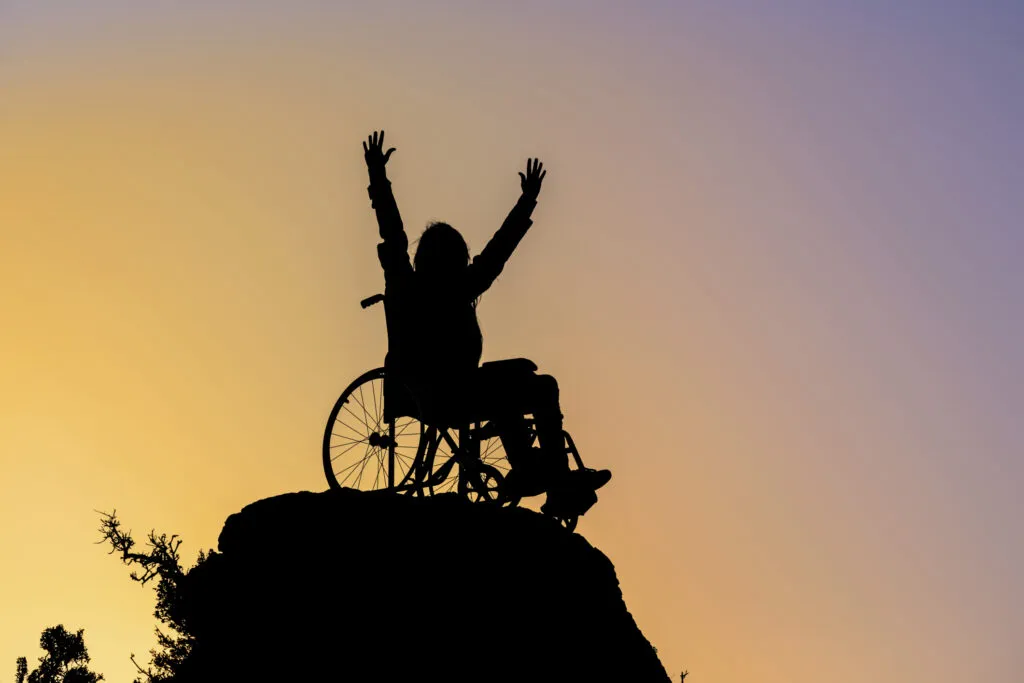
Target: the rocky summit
(372, 586)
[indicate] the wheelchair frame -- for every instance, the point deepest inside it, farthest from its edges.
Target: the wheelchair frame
(361, 438)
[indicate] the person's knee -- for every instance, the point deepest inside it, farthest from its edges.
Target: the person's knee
(547, 389)
(547, 383)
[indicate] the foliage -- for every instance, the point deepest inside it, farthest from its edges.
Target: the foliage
(159, 560)
(65, 661)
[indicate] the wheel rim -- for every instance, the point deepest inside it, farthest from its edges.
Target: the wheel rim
(357, 441)
(482, 485)
(492, 460)
(356, 448)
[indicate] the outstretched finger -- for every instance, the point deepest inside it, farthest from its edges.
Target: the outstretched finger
(381, 140)
(387, 155)
(522, 178)
(541, 176)
(365, 148)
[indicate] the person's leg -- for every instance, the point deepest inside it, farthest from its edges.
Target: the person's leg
(496, 397)
(542, 398)
(504, 393)
(515, 437)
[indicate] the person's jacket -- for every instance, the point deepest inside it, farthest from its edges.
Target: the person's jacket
(434, 338)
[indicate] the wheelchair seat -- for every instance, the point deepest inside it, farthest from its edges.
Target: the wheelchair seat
(404, 398)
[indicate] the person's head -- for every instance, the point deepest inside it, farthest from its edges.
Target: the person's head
(441, 252)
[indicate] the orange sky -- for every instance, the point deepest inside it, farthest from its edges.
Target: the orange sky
(765, 322)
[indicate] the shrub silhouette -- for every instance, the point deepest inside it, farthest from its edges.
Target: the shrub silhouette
(160, 561)
(65, 661)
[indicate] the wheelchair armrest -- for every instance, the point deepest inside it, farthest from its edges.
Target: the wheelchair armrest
(511, 365)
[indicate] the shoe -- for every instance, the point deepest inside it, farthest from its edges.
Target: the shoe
(592, 479)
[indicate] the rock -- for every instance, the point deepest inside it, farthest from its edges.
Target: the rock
(371, 586)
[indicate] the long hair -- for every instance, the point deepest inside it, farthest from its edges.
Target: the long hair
(441, 253)
(442, 257)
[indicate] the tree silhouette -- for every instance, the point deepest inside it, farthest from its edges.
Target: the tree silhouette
(160, 560)
(65, 661)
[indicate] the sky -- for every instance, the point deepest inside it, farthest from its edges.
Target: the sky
(775, 267)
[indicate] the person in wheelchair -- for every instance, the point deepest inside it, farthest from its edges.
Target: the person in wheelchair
(435, 343)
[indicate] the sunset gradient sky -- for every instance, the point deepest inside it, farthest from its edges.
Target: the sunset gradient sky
(776, 267)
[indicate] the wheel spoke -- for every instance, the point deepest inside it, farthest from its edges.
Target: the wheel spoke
(351, 468)
(345, 451)
(373, 391)
(338, 420)
(349, 440)
(358, 418)
(408, 424)
(380, 467)
(419, 453)
(366, 414)
(378, 415)
(363, 468)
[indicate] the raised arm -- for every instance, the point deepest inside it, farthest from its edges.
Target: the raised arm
(489, 263)
(394, 250)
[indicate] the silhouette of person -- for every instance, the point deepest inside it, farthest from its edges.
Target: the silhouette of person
(434, 339)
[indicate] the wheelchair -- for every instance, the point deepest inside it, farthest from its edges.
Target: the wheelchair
(379, 438)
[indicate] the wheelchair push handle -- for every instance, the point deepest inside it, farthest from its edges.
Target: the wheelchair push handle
(371, 300)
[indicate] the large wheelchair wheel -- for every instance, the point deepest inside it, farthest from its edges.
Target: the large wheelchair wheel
(357, 446)
(362, 450)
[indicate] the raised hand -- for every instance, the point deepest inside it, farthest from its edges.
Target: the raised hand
(533, 177)
(373, 152)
